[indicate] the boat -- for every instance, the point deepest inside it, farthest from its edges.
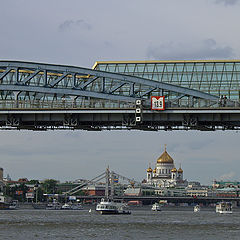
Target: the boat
(13, 205)
(156, 207)
(76, 206)
(72, 206)
(196, 208)
(107, 206)
(66, 206)
(224, 208)
(4, 206)
(55, 205)
(39, 205)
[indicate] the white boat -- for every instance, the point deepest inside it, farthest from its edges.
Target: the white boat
(196, 208)
(66, 206)
(106, 206)
(76, 206)
(72, 206)
(224, 208)
(14, 205)
(156, 207)
(54, 205)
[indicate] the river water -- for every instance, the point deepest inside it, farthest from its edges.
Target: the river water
(180, 224)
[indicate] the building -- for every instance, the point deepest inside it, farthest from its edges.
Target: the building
(226, 184)
(165, 174)
(2, 184)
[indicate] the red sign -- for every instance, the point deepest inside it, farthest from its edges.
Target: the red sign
(158, 103)
(19, 192)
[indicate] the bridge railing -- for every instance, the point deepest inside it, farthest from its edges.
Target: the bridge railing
(107, 104)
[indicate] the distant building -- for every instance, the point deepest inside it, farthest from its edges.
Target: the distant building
(94, 190)
(133, 192)
(226, 184)
(2, 184)
(165, 173)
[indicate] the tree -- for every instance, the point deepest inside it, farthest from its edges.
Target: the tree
(33, 181)
(49, 185)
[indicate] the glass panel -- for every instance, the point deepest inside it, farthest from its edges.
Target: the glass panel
(209, 67)
(169, 67)
(219, 67)
(229, 67)
(179, 67)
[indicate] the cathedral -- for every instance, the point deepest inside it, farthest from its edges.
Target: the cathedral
(165, 173)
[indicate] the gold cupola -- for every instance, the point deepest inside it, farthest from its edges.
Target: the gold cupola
(180, 170)
(165, 157)
(174, 170)
(149, 169)
(154, 170)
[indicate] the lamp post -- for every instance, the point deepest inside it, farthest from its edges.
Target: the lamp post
(36, 192)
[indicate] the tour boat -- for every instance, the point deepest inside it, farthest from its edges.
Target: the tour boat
(106, 206)
(196, 208)
(156, 207)
(224, 207)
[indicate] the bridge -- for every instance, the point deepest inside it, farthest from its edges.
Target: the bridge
(115, 184)
(199, 95)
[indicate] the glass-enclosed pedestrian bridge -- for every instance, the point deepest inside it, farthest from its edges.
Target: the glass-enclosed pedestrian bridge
(218, 78)
(198, 95)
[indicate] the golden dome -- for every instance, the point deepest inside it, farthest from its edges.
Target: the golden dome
(174, 170)
(154, 170)
(180, 170)
(165, 157)
(149, 169)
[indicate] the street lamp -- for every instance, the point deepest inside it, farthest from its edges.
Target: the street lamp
(36, 192)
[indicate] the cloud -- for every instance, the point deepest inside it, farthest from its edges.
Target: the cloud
(206, 49)
(227, 176)
(70, 24)
(227, 2)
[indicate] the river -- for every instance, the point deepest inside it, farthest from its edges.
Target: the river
(175, 224)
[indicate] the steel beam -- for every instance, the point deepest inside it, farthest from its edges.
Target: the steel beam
(26, 80)
(56, 81)
(65, 91)
(97, 73)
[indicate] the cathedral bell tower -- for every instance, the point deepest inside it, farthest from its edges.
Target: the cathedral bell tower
(149, 174)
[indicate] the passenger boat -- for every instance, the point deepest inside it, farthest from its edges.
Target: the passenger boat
(4, 206)
(106, 206)
(224, 208)
(196, 208)
(156, 207)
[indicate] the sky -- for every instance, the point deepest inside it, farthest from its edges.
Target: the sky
(79, 32)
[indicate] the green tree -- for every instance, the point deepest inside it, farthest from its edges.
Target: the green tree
(33, 181)
(49, 185)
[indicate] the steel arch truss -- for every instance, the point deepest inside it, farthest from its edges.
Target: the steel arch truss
(35, 85)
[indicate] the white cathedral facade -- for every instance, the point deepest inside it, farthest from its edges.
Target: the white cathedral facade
(165, 173)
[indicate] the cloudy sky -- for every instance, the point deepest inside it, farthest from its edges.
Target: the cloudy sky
(79, 32)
